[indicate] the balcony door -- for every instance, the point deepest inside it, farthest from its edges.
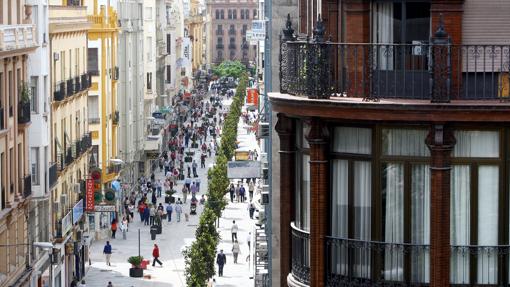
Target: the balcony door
(400, 31)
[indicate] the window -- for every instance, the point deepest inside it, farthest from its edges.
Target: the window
(222, 12)
(229, 14)
(232, 54)
(169, 14)
(254, 13)
(33, 94)
(220, 40)
(93, 108)
(168, 74)
(34, 155)
(234, 14)
(149, 49)
(220, 55)
(148, 13)
(149, 81)
(92, 64)
(245, 28)
(168, 43)
(45, 91)
(242, 13)
(247, 14)
(232, 40)
(217, 14)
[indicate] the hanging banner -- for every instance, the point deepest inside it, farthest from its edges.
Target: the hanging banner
(252, 96)
(89, 196)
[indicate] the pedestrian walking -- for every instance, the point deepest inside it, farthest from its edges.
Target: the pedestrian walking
(114, 227)
(146, 215)
(109, 284)
(107, 251)
(231, 190)
(248, 241)
(178, 211)
(154, 199)
(251, 209)
(155, 254)
(236, 249)
(234, 230)
(202, 160)
(251, 189)
(194, 166)
(185, 192)
(152, 213)
(237, 192)
(242, 193)
(123, 229)
(221, 260)
(194, 189)
(169, 211)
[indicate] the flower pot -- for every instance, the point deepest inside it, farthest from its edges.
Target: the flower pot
(194, 145)
(188, 159)
(136, 272)
(167, 199)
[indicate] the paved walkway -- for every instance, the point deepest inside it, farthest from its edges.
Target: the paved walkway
(175, 236)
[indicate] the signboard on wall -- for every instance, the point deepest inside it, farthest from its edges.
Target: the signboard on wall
(77, 211)
(243, 169)
(89, 195)
(105, 208)
(252, 96)
(67, 223)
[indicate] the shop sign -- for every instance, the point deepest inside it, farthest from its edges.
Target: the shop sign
(89, 196)
(77, 211)
(105, 208)
(67, 223)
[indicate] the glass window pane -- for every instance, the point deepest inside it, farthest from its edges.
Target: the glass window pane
(339, 219)
(460, 221)
(488, 190)
(393, 220)
(362, 214)
(476, 144)
(420, 222)
(404, 142)
(352, 140)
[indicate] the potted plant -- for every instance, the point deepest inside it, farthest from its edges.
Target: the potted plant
(136, 269)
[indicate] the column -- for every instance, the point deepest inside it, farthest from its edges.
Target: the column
(319, 193)
(440, 141)
(287, 134)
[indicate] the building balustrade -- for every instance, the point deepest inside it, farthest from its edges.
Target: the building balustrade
(436, 71)
(69, 88)
(232, 46)
(52, 175)
(23, 112)
(16, 37)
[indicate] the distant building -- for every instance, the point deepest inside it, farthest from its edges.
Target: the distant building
(227, 25)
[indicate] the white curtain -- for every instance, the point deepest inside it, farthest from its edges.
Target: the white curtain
(488, 189)
(393, 195)
(460, 222)
(339, 220)
(476, 144)
(420, 222)
(362, 215)
(404, 142)
(305, 193)
(384, 35)
(352, 140)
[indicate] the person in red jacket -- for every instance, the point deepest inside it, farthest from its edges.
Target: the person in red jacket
(155, 254)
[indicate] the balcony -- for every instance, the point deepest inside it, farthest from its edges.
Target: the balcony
(434, 71)
(116, 117)
(23, 112)
(59, 93)
(300, 255)
(86, 142)
(61, 165)
(76, 149)
(220, 46)
(354, 262)
(93, 121)
(231, 32)
(85, 81)
(69, 88)
(77, 86)
(114, 169)
(69, 156)
(52, 175)
(232, 46)
(219, 32)
(74, 3)
(17, 37)
(27, 186)
(2, 122)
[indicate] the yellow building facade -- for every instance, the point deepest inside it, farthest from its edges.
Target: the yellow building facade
(195, 25)
(17, 40)
(102, 100)
(70, 137)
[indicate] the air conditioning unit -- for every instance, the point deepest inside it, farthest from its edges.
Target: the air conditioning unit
(263, 130)
(76, 188)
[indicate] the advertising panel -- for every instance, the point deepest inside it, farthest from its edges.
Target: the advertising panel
(89, 195)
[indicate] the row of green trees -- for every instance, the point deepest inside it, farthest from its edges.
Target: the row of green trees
(229, 69)
(200, 256)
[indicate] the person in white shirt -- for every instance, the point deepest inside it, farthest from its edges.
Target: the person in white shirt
(234, 230)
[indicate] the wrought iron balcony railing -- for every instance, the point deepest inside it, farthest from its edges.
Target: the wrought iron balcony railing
(77, 85)
(59, 93)
(232, 46)
(220, 46)
(86, 142)
(300, 255)
(23, 112)
(27, 186)
(85, 81)
(52, 175)
(352, 262)
(69, 88)
(435, 70)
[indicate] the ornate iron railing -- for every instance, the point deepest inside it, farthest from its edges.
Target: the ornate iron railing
(352, 262)
(70, 88)
(23, 112)
(59, 93)
(300, 255)
(435, 70)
